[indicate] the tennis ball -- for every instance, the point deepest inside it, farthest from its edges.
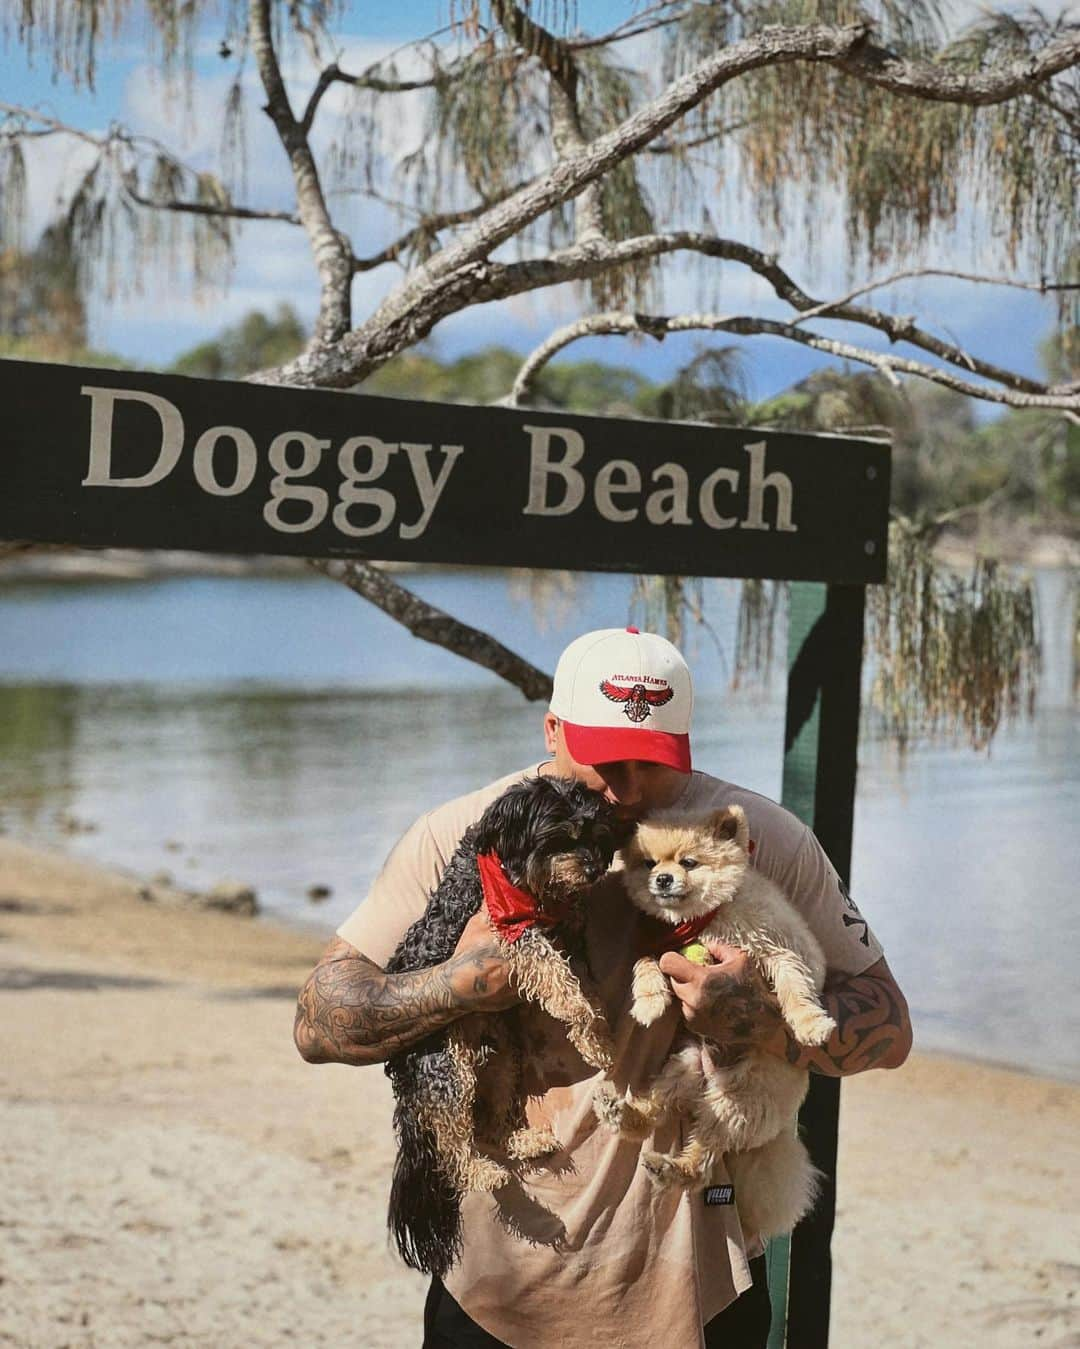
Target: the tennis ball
(696, 953)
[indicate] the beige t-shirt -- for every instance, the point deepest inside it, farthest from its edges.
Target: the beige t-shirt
(586, 1251)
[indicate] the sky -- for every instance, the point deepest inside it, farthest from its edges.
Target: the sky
(273, 262)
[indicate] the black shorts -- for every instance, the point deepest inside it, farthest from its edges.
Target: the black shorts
(742, 1325)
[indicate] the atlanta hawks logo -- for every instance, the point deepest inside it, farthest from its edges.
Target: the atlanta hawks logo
(639, 700)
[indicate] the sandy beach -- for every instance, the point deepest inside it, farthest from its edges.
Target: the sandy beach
(175, 1174)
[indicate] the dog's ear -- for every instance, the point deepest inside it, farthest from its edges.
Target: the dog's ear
(730, 823)
(508, 825)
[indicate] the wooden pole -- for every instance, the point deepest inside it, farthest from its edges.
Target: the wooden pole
(821, 732)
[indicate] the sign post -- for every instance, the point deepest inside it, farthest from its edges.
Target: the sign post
(103, 458)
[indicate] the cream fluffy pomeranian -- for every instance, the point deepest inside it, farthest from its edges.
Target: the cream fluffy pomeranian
(679, 870)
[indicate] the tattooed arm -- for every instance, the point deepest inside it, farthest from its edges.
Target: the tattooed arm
(873, 1029)
(350, 1011)
(730, 1004)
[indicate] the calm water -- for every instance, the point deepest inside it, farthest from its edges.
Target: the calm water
(284, 733)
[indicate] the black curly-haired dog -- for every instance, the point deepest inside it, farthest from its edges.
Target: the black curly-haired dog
(553, 838)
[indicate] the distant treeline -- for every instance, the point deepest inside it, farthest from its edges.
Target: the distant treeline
(1020, 465)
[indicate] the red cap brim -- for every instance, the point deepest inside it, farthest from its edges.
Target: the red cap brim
(604, 744)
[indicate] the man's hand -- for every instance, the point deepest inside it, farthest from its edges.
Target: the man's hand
(728, 1002)
(478, 974)
(351, 1011)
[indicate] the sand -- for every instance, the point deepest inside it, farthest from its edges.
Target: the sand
(175, 1174)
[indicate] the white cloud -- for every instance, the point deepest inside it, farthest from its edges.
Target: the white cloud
(54, 166)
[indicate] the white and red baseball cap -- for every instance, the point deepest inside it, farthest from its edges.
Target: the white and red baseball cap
(624, 694)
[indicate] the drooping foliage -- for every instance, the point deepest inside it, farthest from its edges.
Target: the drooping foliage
(790, 144)
(950, 655)
(779, 153)
(802, 132)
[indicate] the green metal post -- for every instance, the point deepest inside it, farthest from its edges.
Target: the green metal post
(825, 634)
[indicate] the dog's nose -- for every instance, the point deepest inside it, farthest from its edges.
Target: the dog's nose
(664, 881)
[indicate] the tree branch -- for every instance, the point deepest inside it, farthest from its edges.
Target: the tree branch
(634, 27)
(390, 329)
(433, 625)
(566, 134)
(204, 208)
(333, 253)
(333, 74)
(574, 264)
(658, 326)
(488, 282)
(368, 79)
(405, 316)
(425, 227)
(121, 136)
(678, 147)
(1042, 287)
(941, 83)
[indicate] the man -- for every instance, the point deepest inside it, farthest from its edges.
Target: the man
(585, 1251)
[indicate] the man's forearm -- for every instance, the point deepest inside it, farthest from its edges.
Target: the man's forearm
(872, 1030)
(350, 1011)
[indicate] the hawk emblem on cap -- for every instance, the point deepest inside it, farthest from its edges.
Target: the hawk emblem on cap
(639, 700)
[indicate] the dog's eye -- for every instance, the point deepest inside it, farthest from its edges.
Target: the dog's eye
(689, 863)
(648, 863)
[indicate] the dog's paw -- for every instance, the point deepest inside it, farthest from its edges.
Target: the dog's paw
(485, 1175)
(527, 1144)
(596, 1050)
(815, 1029)
(664, 1172)
(648, 1008)
(608, 1106)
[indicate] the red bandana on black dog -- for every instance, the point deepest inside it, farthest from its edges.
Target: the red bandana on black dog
(512, 911)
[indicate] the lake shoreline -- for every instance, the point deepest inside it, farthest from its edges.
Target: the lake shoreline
(1014, 543)
(164, 1187)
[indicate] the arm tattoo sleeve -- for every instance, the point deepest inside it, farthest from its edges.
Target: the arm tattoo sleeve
(872, 1029)
(350, 1011)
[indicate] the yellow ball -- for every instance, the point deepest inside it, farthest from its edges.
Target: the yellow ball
(697, 953)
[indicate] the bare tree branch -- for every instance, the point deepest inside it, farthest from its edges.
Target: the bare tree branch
(370, 79)
(333, 74)
(121, 136)
(658, 326)
(942, 83)
(389, 330)
(580, 263)
(433, 625)
(678, 147)
(405, 316)
(426, 227)
(1042, 287)
(333, 252)
(487, 282)
(634, 27)
(205, 208)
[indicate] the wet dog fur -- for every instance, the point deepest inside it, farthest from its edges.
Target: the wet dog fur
(554, 839)
(744, 1114)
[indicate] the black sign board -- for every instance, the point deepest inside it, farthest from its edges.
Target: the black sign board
(114, 458)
